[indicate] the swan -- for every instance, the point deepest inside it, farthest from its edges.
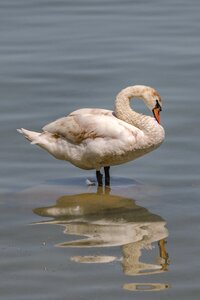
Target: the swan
(94, 138)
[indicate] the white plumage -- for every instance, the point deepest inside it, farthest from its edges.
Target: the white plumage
(93, 138)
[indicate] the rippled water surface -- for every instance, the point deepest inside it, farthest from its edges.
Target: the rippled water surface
(60, 239)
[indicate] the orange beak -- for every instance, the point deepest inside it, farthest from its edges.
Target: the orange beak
(156, 113)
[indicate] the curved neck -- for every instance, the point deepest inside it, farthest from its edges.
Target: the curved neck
(123, 110)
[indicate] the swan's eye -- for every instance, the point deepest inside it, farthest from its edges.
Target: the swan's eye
(158, 105)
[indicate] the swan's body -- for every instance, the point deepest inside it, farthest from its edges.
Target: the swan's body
(96, 138)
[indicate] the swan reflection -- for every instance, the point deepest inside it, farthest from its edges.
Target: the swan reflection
(107, 220)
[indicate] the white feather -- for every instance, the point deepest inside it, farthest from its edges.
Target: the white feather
(93, 138)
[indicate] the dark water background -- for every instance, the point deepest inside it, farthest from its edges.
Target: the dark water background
(55, 57)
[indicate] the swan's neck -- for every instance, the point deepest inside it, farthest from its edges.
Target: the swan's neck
(123, 110)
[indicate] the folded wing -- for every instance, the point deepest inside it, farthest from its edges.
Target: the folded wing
(87, 124)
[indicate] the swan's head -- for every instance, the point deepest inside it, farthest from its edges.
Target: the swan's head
(153, 101)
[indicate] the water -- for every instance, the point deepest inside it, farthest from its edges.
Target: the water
(55, 57)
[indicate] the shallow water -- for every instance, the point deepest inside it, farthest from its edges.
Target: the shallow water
(140, 240)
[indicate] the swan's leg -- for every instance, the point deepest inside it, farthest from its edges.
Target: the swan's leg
(99, 190)
(107, 176)
(107, 190)
(99, 178)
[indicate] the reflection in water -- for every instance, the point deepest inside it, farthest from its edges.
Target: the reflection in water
(145, 286)
(107, 220)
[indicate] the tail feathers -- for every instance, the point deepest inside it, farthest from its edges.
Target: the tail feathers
(31, 136)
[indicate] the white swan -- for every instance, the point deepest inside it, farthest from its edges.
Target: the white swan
(94, 138)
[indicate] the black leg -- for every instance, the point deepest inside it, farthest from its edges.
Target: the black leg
(107, 176)
(99, 178)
